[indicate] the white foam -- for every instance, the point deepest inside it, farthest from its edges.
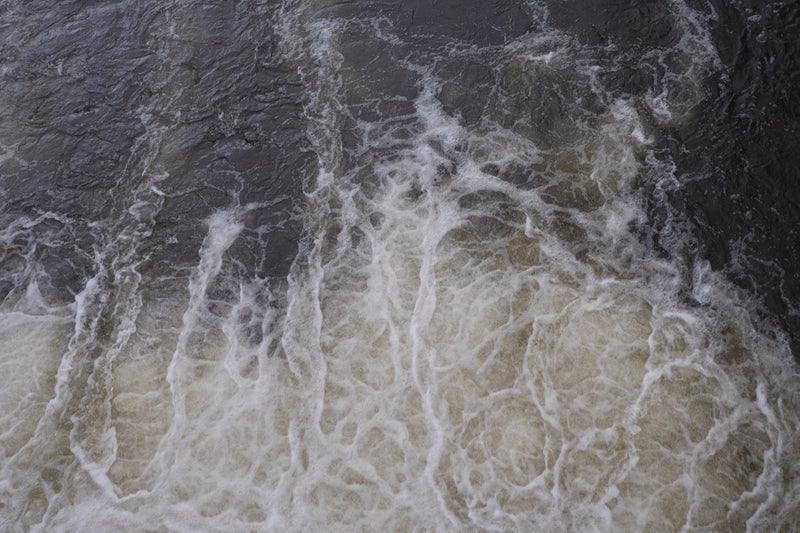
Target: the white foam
(453, 351)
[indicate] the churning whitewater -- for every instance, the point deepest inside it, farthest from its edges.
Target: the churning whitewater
(474, 334)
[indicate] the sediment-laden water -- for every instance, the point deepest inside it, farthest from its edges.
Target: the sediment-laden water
(330, 266)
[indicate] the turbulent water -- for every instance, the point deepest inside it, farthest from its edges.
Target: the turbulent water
(381, 266)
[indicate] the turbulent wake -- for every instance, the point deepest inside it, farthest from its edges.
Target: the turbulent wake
(403, 282)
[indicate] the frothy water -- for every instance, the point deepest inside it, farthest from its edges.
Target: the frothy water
(473, 336)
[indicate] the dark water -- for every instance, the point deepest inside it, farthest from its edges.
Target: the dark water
(737, 157)
(744, 206)
(101, 104)
(90, 89)
(399, 265)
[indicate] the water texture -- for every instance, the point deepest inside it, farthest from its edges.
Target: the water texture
(400, 266)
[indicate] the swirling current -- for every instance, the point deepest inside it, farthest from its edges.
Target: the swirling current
(373, 265)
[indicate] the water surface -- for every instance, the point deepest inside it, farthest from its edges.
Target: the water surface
(397, 266)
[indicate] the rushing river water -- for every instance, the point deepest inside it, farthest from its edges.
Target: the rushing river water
(318, 265)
